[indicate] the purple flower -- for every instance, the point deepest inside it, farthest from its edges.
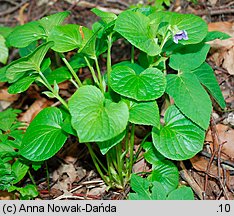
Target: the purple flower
(180, 35)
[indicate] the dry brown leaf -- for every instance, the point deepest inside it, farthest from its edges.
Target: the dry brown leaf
(223, 50)
(226, 134)
(66, 174)
(228, 60)
(200, 164)
(5, 96)
(227, 27)
(4, 195)
(34, 109)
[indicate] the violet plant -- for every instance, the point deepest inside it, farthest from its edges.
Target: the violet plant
(170, 64)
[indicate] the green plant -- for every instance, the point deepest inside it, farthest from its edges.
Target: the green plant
(105, 112)
(13, 167)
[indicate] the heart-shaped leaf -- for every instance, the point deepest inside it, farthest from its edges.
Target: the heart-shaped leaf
(136, 28)
(182, 193)
(107, 145)
(30, 63)
(106, 17)
(195, 26)
(65, 38)
(95, 118)
(49, 22)
(148, 85)
(166, 173)
(24, 35)
(190, 97)
(205, 75)
(180, 138)
(44, 137)
(189, 57)
(144, 113)
(4, 50)
(151, 154)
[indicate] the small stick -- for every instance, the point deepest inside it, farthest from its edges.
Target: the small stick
(192, 183)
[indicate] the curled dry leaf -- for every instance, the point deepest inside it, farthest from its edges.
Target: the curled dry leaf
(223, 50)
(226, 134)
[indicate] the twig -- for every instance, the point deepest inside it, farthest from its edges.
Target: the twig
(11, 10)
(192, 183)
(215, 12)
(217, 147)
(208, 155)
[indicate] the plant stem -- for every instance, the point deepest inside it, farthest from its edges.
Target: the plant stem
(131, 149)
(119, 161)
(108, 66)
(140, 148)
(132, 54)
(74, 83)
(48, 177)
(99, 75)
(71, 70)
(46, 83)
(31, 178)
(92, 71)
(94, 158)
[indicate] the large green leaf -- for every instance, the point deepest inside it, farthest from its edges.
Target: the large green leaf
(96, 118)
(151, 154)
(107, 145)
(88, 46)
(21, 85)
(190, 97)
(166, 173)
(205, 75)
(136, 28)
(146, 190)
(195, 27)
(44, 136)
(30, 63)
(148, 85)
(49, 22)
(144, 113)
(3, 50)
(66, 38)
(5, 31)
(189, 57)
(182, 193)
(107, 17)
(180, 138)
(24, 35)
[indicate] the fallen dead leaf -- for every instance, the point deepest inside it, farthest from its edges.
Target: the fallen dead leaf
(200, 164)
(223, 50)
(34, 109)
(5, 96)
(226, 134)
(66, 174)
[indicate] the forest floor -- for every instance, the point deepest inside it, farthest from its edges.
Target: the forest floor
(72, 174)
